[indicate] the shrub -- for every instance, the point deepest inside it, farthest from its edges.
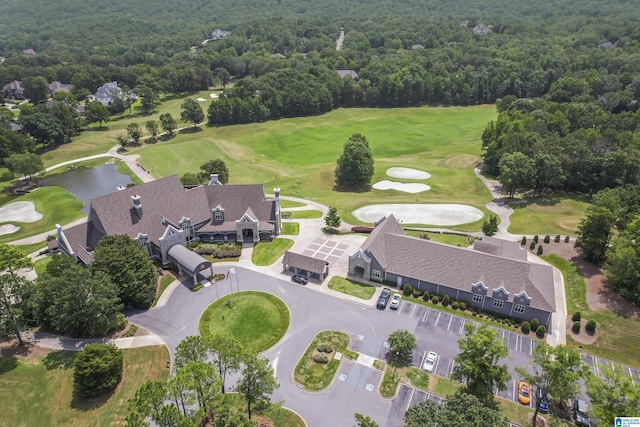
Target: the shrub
(523, 241)
(219, 250)
(426, 296)
(557, 238)
(417, 293)
(455, 305)
(541, 331)
(362, 229)
(526, 328)
(534, 324)
(591, 326)
(97, 369)
(575, 328)
(463, 305)
(547, 238)
(535, 239)
(576, 316)
(119, 322)
(566, 239)
(325, 348)
(407, 290)
(320, 358)
(435, 299)
(532, 246)
(540, 250)
(445, 301)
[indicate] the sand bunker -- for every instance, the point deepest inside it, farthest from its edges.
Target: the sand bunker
(201, 99)
(213, 95)
(401, 186)
(407, 173)
(19, 212)
(8, 229)
(436, 214)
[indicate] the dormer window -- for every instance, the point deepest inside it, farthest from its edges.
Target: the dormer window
(218, 216)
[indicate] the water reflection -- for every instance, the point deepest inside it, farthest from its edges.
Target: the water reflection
(88, 183)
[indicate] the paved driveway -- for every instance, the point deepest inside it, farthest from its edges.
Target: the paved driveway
(355, 389)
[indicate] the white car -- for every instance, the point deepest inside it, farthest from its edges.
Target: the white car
(430, 361)
(395, 301)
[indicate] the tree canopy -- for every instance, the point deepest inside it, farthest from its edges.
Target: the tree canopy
(478, 363)
(190, 111)
(214, 166)
(97, 369)
(354, 168)
(460, 409)
(257, 380)
(127, 264)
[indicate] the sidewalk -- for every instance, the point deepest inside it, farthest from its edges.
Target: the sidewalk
(57, 342)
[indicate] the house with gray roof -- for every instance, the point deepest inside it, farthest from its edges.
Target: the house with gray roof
(162, 214)
(56, 86)
(493, 276)
(13, 90)
(107, 92)
(345, 73)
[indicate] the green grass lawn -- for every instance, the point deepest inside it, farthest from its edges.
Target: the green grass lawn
(266, 253)
(41, 265)
(166, 280)
(291, 228)
(418, 378)
(299, 154)
(123, 168)
(351, 287)
(29, 249)
(39, 392)
(290, 204)
(551, 215)
(314, 376)
(619, 336)
(55, 204)
(449, 239)
(257, 319)
(306, 214)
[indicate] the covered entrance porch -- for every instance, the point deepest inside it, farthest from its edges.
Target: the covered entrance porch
(190, 263)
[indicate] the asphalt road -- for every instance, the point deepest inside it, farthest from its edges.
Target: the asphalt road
(355, 387)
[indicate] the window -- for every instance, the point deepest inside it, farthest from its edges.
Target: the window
(376, 274)
(498, 303)
(218, 216)
(519, 308)
(478, 298)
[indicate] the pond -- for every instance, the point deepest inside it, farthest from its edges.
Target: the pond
(88, 183)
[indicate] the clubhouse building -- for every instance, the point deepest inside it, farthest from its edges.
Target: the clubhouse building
(494, 275)
(163, 217)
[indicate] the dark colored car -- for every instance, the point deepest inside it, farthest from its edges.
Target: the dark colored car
(543, 401)
(383, 300)
(299, 278)
(580, 413)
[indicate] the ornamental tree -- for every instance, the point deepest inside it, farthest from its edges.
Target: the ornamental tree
(97, 369)
(354, 168)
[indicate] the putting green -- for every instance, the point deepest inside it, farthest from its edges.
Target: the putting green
(257, 319)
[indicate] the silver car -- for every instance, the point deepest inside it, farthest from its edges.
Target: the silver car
(430, 361)
(395, 301)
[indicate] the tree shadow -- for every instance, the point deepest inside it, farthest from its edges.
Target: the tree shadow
(352, 189)
(167, 137)
(191, 129)
(59, 360)
(91, 403)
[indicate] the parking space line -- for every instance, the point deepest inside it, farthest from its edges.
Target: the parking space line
(435, 368)
(423, 357)
(410, 398)
(452, 365)
(530, 347)
(595, 366)
(449, 325)
(519, 339)
(437, 318)
(400, 308)
(464, 321)
(424, 318)
(413, 311)
(514, 391)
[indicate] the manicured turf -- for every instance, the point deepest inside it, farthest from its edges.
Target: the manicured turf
(291, 228)
(166, 280)
(554, 215)
(351, 287)
(619, 336)
(55, 204)
(123, 168)
(266, 253)
(449, 239)
(39, 392)
(306, 214)
(257, 319)
(418, 378)
(41, 265)
(390, 382)
(29, 249)
(290, 204)
(314, 376)
(299, 154)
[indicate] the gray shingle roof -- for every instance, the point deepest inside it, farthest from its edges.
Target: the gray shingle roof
(458, 267)
(304, 262)
(345, 73)
(188, 259)
(499, 247)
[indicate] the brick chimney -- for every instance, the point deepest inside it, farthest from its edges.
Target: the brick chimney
(136, 203)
